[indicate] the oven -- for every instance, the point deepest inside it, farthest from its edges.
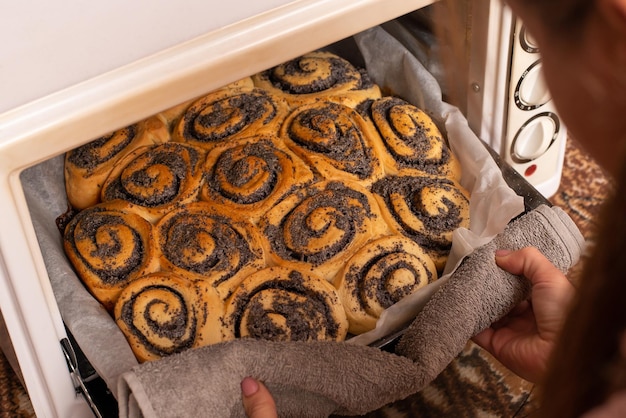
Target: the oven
(73, 72)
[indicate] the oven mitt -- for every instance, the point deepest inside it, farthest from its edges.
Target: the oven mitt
(317, 379)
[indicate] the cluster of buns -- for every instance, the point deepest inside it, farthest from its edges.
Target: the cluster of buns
(296, 204)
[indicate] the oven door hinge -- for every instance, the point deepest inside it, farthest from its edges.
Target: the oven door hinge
(75, 374)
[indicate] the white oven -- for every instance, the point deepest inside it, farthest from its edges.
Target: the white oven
(508, 103)
(72, 71)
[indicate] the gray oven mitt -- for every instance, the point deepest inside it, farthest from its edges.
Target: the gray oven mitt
(322, 378)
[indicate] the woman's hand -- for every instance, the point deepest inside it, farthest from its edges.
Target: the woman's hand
(257, 400)
(523, 340)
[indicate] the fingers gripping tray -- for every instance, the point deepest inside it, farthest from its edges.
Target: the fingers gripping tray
(64, 301)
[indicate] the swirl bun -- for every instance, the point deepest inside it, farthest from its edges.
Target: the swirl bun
(109, 247)
(318, 75)
(335, 140)
(230, 113)
(157, 179)
(250, 176)
(281, 304)
(242, 83)
(88, 166)
(413, 145)
(380, 274)
(320, 226)
(426, 209)
(172, 115)
(162, 314)
(200, 241)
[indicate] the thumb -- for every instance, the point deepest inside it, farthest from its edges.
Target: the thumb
(257, 399)
(530, 263)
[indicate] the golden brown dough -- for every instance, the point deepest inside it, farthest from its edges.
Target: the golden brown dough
(172, 115)
(318, 75)
(205, 242)
(281, 304)
(88, 166)
(426, 209)
(109, 246)
(413, 145)
(230, 113)
(381, 273)
(319, 227)
(335, 140)
(249, 176)
(243, 83)
(162, 314)
(157, 179)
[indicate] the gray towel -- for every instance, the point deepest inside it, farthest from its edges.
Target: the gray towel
(323, 378)
(479, 293)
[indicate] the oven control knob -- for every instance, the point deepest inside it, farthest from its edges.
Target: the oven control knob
(535, 137)
(527, 42)
(532, 91)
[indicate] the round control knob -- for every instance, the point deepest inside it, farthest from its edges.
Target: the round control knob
(527, 42)
(535, 137)
(532, 91)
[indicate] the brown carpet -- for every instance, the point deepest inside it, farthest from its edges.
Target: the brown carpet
(474, 384)
(14, 401)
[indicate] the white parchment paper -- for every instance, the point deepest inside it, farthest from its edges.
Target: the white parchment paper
(493, 204)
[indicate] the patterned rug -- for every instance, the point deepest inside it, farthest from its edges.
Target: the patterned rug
(14, 401)
(474, 384)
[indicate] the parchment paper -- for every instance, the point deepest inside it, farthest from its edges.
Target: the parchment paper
(492, 205)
